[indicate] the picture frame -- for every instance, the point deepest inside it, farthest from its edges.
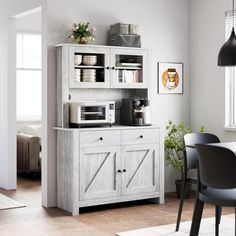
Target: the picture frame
(170, 79)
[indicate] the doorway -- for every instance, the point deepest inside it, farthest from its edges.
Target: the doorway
(48, 170)
(29, 102)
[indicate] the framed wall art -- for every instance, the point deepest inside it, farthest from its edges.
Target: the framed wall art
(170, 78)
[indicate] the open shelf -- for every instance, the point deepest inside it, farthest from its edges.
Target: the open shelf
(88, 67)
(127, 68)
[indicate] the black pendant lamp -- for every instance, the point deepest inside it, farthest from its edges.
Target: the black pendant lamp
(227, 54)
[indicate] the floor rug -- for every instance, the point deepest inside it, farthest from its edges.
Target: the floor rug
(207, 228)
(8, 203)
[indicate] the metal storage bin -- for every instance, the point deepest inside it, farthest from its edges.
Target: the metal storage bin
(119, 28)
(133, 29)
(125, 40)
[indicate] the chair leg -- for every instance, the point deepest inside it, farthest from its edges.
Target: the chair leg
(217, 220)
(181, 205)
(220, 212)
(235, 222)
(197, 216)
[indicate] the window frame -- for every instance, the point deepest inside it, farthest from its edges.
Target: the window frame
(29, 118)
(230, 94)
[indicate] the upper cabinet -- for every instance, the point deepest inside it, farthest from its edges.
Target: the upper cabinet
(128, 68)
(106, 67)
(89, 67)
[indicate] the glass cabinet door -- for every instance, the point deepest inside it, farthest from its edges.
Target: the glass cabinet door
(89, 67)
(128, 68)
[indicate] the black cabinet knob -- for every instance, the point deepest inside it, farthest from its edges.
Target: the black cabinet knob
(118, 171)
(107, 67)
(141, 136)
(69, 97)
(124, 170)
(101, 138)
(113, 68)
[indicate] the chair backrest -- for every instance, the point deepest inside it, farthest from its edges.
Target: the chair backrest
(217, 166)
(190, 140)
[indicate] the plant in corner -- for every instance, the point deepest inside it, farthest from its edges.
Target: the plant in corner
(174, 150)
(82, 33)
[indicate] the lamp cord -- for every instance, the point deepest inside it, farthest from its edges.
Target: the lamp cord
(233, 13)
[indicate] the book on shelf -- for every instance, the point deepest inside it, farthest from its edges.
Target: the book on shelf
(128, 76)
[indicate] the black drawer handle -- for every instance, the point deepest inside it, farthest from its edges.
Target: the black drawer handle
(118, 171)
(101, 138)
(124, 170)
(141, 136)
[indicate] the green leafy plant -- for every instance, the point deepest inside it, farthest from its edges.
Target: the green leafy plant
(82, 32)
(174, 144)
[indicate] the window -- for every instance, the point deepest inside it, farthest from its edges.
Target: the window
(230, 81)
(28, 76)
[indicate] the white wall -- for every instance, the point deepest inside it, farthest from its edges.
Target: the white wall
(30, 23)
(207, 79)
(8, 9)
(165, 32)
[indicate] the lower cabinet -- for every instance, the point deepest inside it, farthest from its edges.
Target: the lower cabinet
(98, 172)
(140, 167)
(99, 177)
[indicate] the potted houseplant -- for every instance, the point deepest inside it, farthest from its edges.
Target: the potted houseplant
(174, 151)
(82, 33)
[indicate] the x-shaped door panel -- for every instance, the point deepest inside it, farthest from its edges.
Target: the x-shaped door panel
(99, 172)
(140, 163)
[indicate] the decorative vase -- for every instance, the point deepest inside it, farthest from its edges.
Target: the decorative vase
(81, 40)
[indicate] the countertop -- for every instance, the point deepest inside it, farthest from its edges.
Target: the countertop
(103, 128)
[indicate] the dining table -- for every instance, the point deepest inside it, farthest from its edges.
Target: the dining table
(229, 145)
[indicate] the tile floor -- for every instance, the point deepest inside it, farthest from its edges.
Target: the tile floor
(100, 221)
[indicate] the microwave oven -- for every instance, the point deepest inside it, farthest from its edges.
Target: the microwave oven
(91, 113)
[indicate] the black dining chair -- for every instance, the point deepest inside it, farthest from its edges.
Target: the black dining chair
(190, 162)
(217, 182)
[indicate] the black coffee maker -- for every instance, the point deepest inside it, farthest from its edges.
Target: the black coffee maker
(135, 111)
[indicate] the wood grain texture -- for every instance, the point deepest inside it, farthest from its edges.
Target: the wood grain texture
(100, 138)
(59, 88)
(88, 175)
(141, 163)
(62, 87)
(67, 171)
(98, 172)
(87, 159)
(140, 136)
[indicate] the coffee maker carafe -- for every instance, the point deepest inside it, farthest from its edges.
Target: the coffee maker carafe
(135, 111)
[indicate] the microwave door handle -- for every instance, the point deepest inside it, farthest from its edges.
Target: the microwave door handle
(79, 114)
(107, 112)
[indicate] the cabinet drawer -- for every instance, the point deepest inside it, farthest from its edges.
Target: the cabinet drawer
(100, 138)
(139, 136)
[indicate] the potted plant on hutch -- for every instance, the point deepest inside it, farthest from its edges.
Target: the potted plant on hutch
(82, 33)
(174, 151)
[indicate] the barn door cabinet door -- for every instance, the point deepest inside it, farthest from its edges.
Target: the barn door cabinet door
(100, 174)
(140, 169)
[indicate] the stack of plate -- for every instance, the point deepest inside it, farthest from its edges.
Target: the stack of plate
(89, 75)
(77, 75)
(89, 60)
(77, 59)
